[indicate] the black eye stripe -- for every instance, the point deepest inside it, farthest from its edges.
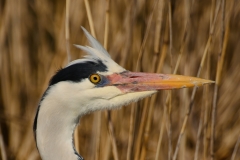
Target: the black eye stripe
(78, 72)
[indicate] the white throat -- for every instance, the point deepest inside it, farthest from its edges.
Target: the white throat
(54, 133)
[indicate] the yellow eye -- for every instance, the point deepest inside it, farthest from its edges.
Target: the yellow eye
(95, 78)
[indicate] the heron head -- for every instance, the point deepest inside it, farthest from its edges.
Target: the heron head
(103, 84)
(92, 83)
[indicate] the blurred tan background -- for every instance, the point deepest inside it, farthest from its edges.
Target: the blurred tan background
(191, 37)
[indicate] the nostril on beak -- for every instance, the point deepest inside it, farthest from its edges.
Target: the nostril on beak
(134, 77)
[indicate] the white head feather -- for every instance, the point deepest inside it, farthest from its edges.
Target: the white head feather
(97, 53)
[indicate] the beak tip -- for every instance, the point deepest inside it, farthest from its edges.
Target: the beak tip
(209, 82)
(201, 83)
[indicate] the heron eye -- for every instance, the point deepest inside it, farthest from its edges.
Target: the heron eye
(95, 78)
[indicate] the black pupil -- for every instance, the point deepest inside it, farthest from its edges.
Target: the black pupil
(95, 78)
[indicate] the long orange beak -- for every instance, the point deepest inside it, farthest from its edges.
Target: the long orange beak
(139, 81)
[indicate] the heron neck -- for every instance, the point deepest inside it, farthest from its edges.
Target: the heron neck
(54, 133)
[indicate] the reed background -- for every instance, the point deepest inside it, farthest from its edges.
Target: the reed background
(201, 38)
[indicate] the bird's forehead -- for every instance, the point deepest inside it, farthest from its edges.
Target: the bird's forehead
(101, 67)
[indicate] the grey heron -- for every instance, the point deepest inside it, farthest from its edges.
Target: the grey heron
(92, 83)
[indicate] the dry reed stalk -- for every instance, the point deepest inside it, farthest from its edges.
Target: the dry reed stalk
(185, 34)
(213, 8)
(188, 111)
(110, 125)
(148, 118)
(2, 146)
(160, 65)
(158, 32)
(166, 105)
(123, 61)
(153, 99)
(206, 112)
(170, 92)
(143, 125)
(5, 88)
(185, 99)
(235, 149)
(138, 140)
(200, 126)
(107, 14)
(169, 126)
(161, 132)
(89, 15)
(112, 137)
(14, 110)
(105, 44)
(221, 56)
(195, 88)
(67, 31)
(139, 60)
(168, 99)
(174, 72)
(170, 34)
(150, 110)
(26, 144)
(129, 33)
(140, 54)
(131, 131)
(107, 149)
(97, 134)
(33, 155)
